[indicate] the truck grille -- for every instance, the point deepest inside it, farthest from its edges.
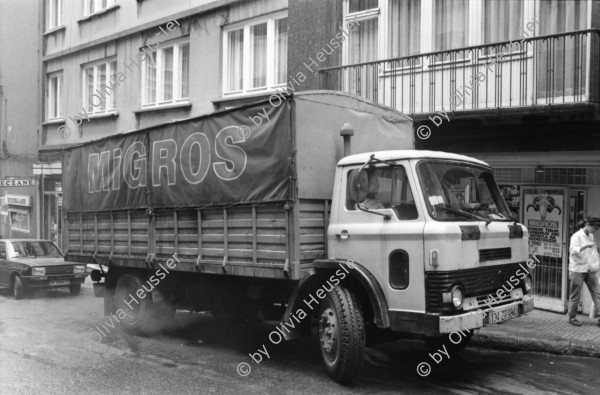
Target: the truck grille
(478, 282)
(493, 254)
(68, 269)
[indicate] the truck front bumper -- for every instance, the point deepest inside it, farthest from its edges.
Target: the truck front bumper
(480, 318)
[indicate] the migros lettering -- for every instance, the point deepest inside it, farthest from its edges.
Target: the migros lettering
(194, 157)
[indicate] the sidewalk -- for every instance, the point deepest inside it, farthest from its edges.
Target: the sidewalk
(543, 331)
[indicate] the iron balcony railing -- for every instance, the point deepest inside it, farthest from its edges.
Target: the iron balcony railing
(544, 70)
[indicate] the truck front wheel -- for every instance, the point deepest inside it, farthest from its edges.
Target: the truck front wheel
(342, 334)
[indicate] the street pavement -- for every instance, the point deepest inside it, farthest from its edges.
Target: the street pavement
(49, 345)
(543, 331)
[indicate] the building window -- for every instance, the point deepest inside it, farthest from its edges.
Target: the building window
(405, 28)
(99, 87)
(363, 41)
(561, 68)
(255, 55)
(54, 14)
(95, 6)
(281, 39)
(54, 96)
(503, 20)
(165, 75)
(451, 24)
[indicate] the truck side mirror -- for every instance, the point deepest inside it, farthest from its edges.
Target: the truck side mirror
(359, 185)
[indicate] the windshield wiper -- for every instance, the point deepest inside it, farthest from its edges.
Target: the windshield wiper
(467, 214)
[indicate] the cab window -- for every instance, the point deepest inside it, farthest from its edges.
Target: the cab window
(388, 188)
(2, 250)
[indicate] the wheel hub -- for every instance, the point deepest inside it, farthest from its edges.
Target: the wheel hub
(328, 331)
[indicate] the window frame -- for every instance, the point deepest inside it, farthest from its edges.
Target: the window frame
(52, 97)
(51, 6)
(271, 68)
(407, 186)
(97, 6)
(109, 99)
(358, 16)
(159, 101)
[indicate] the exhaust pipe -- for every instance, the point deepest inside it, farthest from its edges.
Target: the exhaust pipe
(347, 132)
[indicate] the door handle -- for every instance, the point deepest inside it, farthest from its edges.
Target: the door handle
(343, 234)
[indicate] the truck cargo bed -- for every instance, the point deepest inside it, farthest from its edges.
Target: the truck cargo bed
(256, 240)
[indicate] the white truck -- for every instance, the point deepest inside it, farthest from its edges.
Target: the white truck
(227, 214)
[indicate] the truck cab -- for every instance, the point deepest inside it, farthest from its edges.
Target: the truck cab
(434, 231)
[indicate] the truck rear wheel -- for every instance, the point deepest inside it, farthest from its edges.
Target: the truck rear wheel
(138, 316)
(342, 334)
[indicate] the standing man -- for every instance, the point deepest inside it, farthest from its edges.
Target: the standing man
(580, 256)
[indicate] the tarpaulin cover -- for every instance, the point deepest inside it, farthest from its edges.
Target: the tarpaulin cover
(222, 159)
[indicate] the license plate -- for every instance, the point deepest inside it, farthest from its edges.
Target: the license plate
(504, 314)
(59, 282)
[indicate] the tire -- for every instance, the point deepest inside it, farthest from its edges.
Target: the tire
(341, 335)
(137, 317)
(19, 290)
(75, 289)
(450, 341)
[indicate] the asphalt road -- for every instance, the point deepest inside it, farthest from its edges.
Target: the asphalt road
(48, 345)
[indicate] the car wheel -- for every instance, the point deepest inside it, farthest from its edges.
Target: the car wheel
(342, 334)
(19, 290)
(75, 289)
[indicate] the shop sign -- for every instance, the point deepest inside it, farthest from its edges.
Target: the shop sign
(18, 182)
(18, 200)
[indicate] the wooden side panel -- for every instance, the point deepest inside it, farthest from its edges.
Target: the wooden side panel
(314, 219)
(244, 240)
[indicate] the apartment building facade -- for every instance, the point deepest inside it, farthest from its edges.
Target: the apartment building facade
(20, 202)
(513, 82)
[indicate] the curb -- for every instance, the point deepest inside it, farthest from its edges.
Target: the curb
(502, 341)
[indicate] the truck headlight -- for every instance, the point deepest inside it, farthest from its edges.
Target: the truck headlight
(527, 284)
(38, 271)
(457, 296)
(79, 269)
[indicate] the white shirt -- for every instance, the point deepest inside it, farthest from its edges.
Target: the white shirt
(578, 259)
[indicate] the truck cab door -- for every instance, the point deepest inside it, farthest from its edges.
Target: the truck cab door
(390, 248)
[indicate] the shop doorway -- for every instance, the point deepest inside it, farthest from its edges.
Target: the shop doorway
(545, 210)
(53, 212)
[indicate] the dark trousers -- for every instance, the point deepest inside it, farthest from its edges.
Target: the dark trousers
(577, 280)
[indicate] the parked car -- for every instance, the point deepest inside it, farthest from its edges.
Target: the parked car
(26, 264)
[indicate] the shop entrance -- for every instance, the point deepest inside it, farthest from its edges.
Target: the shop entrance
(545, 210)
(53, 212)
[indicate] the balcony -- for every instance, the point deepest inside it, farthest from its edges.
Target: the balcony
(538, 71)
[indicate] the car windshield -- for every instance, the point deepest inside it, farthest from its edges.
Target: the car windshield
(459, 191)
(35, 249)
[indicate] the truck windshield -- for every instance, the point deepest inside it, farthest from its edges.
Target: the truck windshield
(459, 191)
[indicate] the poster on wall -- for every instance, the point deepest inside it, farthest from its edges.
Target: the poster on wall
(543, 215)
(19, 220)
